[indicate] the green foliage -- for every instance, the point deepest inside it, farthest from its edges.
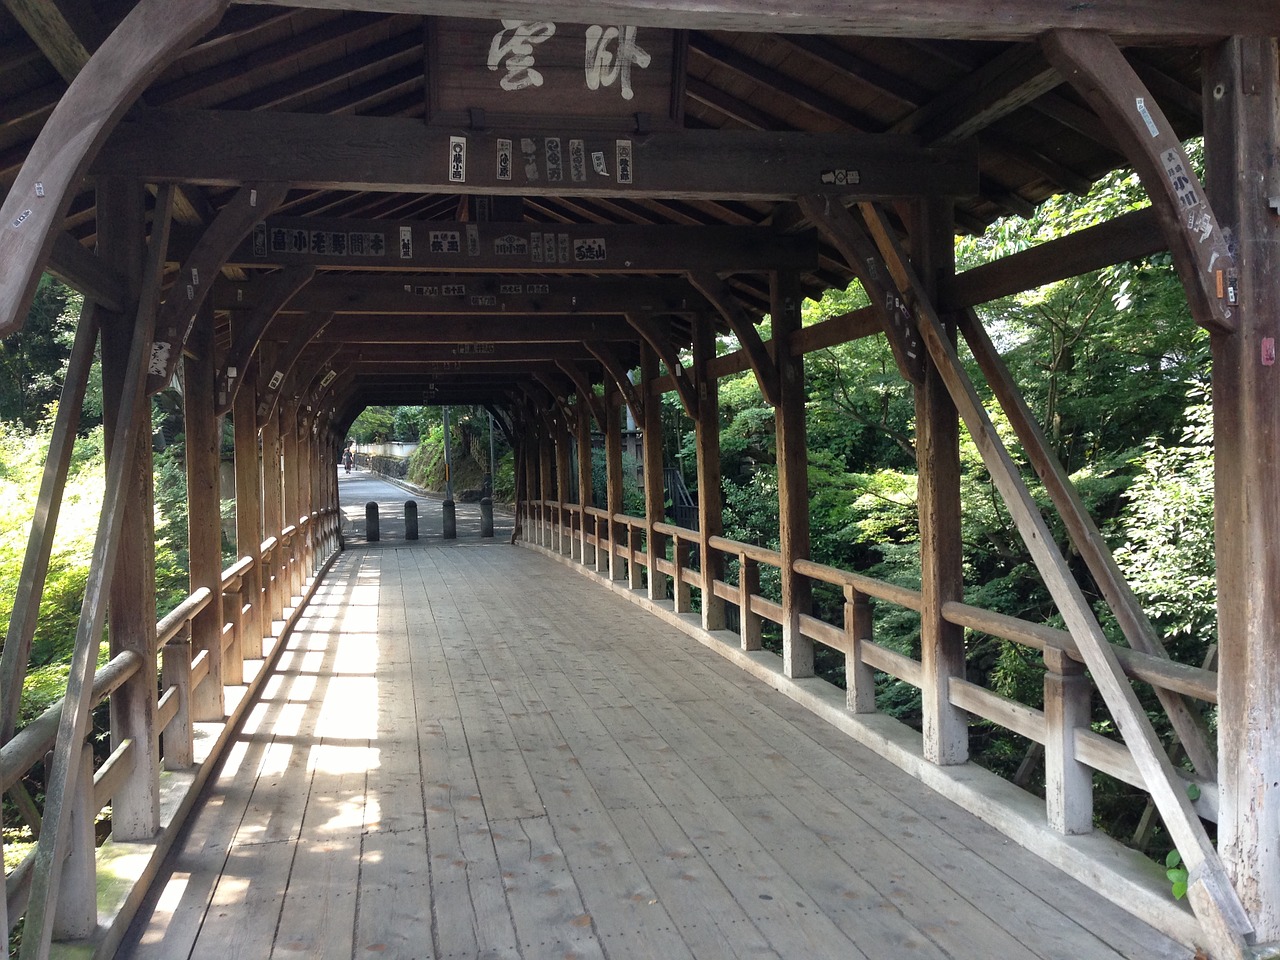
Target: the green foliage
(1177, 874)
(33, 361)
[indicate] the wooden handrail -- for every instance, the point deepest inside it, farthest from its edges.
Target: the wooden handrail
(902, 596)
(181, 615)
(749, 550)
(237, 570)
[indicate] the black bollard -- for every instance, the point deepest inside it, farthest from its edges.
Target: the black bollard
(371, 521)
(450, 520)
(411, 520)
(486, 517)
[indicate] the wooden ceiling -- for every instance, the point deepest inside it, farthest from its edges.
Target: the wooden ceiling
(913, 75)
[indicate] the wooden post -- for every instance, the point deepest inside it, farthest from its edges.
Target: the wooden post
(946, 732)
(749, 622)
(175, 672)
(546, 485)
(76, 916)
(1240, 100)
(235, 617)
(793, 474)
(654, 492)
(255, 622)
(859, 678)
(613, 479)
(291, 478)
(131, 607)
(586, 496)
(564, 473)
(272, 519)
(204, 519)
(1068, 782)
(710, 501)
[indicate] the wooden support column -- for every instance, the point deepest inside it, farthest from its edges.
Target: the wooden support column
(1068, 788)
(564, 474)
(272, 522)
(793, 473)
(654, 488)
(613, 476)
(710, 501)
(204, 520)
(131, 607)
(249, 515)
(946, 730)
(586, 495)
(291, 497)
(1241, 104)
(546, 483)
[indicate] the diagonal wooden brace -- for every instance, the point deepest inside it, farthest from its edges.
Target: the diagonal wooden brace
(718, 294)
(651, 330)
(1098, 70)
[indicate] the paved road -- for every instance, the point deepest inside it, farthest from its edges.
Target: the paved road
(357, 488)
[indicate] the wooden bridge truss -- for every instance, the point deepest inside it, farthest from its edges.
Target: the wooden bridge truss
(313, 209)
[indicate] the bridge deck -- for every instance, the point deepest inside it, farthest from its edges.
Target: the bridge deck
(467, 751)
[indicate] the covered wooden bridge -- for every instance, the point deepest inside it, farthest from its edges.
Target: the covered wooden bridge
(299, 211)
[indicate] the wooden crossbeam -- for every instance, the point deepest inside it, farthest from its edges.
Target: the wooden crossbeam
(147, 40)
(195, 279)
(1098, 70)
(1213, 896)
(447, 356)
(586, 394)
(81, 270)
(227, 148)
(472, 295)
(286, 359)
(1173, 21)
(613, 365)
(515, 248)
(480, 330)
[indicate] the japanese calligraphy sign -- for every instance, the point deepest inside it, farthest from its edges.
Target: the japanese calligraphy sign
(540, 68)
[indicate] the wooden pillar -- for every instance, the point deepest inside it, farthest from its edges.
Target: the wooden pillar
(291, 497)
(613, 477)
(1068, 788)
(1241, 104)
(564, 478)
(204, 520)
(131, 606)
(586, 496)
(546, 482)
(946, 733)
(249, 513)
(272, 520)
(793, 474)
(654, 487)
(710, 501)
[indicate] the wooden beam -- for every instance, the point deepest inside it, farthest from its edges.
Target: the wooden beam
(286, 357)
(860, 254)
(764, 366)
(1172, 21)
(195, 279)
(47, 25)
(613, 364)
(481, 332)
(512, 248)
(1098, 70)
(1214, 900)
(274, 291)
(660, 340)
(477, 295)
(150, 37)
(443, 357)
(226, 148)
(586, 394)
(70, 262)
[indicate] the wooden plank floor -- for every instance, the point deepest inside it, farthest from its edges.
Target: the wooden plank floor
(470, 751)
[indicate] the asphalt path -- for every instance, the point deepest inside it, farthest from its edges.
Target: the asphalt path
(360, 487)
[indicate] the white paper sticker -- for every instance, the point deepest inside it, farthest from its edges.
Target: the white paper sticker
(457, 159)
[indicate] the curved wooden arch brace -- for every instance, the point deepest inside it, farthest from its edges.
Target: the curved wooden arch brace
(569, 413)
(847, 235)
(283, 368)
(651, 330)
(1098, 70)
(500, 419)
(153, 34)
(274, 293)
(615, 369)
(719, 296)
(323, 371)
(594, 404)
(250, 204)
(1212, 896)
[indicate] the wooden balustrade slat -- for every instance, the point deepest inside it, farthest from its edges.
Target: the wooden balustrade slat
(167, 708)
(114, 771)
(767, 609)
(892, 663)
(726, 591)
(825, 633)
(1010, 714)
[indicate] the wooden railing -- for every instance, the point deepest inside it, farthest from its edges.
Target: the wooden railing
(621, 552)
(286, 562)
